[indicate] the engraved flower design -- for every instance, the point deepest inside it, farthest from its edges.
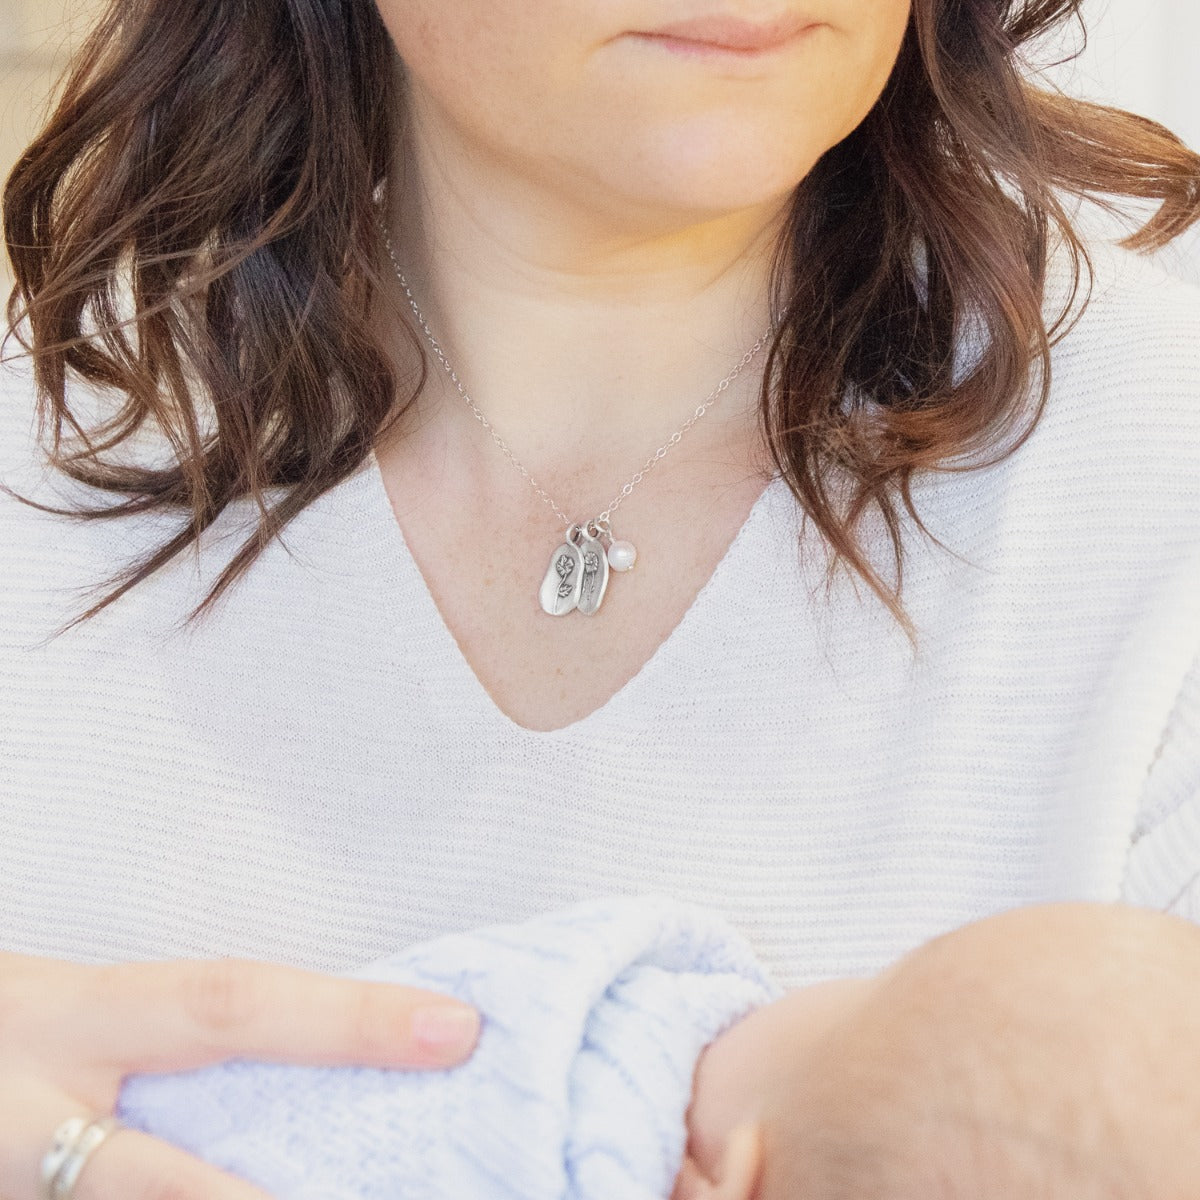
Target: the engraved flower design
(564, 564)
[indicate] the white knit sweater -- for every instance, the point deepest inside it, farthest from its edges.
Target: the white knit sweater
(315, 776)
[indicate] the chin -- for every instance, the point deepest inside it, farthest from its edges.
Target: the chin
(681, 188)
(720, 170)
(683, 200)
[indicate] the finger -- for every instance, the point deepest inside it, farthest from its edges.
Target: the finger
(127, 1165)
(131, 1165)
(175, 1015)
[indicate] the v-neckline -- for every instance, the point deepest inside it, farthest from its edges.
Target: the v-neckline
(388, 537)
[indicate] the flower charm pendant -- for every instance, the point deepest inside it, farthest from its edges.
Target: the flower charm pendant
(595, 575)
(564, 577)
(577, 576)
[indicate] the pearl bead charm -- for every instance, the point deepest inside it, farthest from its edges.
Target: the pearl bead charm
(622, 556)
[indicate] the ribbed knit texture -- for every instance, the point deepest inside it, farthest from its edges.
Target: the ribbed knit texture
(315, 775)
(594, 1019)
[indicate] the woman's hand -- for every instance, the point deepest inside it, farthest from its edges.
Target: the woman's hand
(69, 1034)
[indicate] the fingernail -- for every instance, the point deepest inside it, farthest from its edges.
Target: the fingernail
(446, 1031)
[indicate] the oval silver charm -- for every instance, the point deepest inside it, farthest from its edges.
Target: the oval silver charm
(563, 581)
(595, 574)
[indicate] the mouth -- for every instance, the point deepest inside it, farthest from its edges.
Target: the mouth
(730, 35)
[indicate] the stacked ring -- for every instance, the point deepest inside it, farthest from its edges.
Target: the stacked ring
(74, 1141)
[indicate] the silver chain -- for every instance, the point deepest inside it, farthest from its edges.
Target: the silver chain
(602, 520)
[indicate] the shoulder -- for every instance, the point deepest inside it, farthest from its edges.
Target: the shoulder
(24, 469)
(41, 550)
(1132, 347)
(18, 416)
(1123, 415)
(1104, 492)
(53, 558)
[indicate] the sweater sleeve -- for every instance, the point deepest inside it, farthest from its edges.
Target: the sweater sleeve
(1163, 869)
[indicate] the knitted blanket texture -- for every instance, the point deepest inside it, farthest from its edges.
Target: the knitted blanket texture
(594, 1018)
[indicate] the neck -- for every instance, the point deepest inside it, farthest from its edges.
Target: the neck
(574, 327)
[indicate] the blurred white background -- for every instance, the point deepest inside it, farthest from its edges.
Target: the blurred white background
(1142, 55)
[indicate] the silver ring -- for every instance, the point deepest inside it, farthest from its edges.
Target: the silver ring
(74, 1142)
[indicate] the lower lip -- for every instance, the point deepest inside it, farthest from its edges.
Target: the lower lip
(693, 49)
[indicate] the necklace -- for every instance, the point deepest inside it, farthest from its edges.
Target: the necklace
(577, 578)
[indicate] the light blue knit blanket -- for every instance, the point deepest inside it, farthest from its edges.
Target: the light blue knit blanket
(594, 1018)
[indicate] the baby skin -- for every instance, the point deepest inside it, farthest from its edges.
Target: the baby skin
(979, 1067)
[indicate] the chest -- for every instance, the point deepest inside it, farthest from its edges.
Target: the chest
(793, 773)
(484, 576)
(321, 756)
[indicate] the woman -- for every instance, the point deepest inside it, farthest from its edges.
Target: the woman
(809, 260)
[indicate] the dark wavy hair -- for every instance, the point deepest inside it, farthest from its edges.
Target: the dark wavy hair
(222, 162)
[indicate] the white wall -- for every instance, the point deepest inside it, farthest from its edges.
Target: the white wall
(1144, 55)
(36, 36)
